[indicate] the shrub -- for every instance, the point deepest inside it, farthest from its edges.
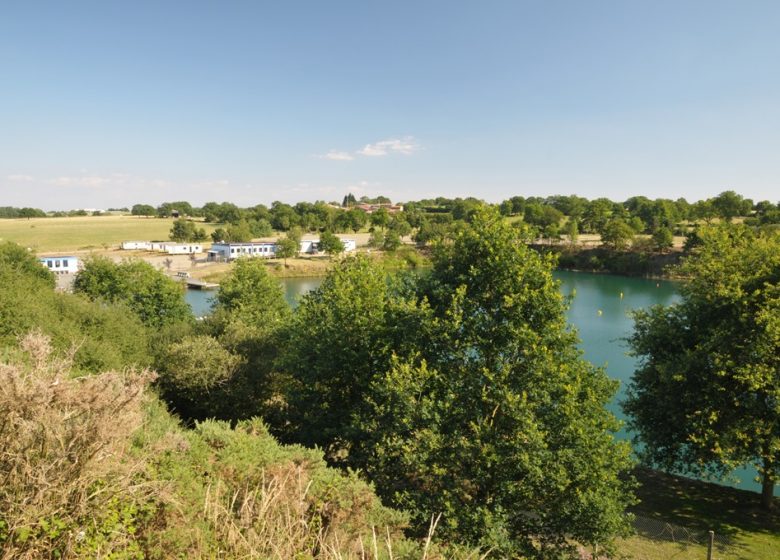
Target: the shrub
(67, 483)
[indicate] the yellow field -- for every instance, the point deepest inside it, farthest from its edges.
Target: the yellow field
(85, 233)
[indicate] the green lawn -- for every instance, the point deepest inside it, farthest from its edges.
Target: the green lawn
(675, 514)
(85, 232)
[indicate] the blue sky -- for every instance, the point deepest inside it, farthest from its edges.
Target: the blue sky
(113, 103)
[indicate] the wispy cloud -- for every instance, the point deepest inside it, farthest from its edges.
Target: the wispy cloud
(335, 155)
(95, 181)
(20, 178)
(405, 146)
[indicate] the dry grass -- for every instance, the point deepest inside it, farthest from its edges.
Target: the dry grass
(63, 444)
(91, 467)
(85, 233)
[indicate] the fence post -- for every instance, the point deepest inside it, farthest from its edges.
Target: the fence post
(709, 544)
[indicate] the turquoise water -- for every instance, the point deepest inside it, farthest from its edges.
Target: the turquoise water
(597, 311)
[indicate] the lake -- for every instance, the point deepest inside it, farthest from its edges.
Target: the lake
(599, 310)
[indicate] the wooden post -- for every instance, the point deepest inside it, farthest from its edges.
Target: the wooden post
(709, 545)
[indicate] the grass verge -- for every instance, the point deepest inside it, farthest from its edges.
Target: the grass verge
(675, 514)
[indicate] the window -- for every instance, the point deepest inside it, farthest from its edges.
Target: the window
(50, 264)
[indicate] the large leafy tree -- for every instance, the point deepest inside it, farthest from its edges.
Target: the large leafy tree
(151, 295)
(340, 340)
(287, 248)
(186, 230)
(497, 421)
(706, 396)
(224, 368)
(330, 243)
(463, 392)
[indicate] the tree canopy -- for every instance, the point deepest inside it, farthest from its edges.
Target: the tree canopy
(153, 297)
(705, 398)
(463, 392)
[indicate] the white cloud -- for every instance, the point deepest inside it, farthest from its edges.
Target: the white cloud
(20, 178)
(92, 181)
(407, 146)
(335, 155)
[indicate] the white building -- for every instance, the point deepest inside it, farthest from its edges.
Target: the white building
(266, 249)
(312, 246)
(232, 251)
(309, 246)
(61, 265)
(136, 245)
(182, 248)
(164, 247)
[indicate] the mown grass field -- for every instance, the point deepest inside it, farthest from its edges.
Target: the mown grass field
(85, 233)
(675, 514)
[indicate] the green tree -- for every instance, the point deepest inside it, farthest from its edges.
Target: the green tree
(251, 294)
(17, 258)
(391, 242)
(617, 235)
(728, 205)
(376, 239)
(663, 239)
(496, 412)
(224, 369)
(101, 336)
(239, 231)
(399, 225)
(330, 243)
(287, 248)
(341, 337)
(31, 213)
(380, 218)
(572, 231)
(186, 230)
(151, 295)
(146, 210)
(220, 235)
(705, 396)
(260, 228)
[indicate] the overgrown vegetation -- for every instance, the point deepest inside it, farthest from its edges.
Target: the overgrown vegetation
(455, 398)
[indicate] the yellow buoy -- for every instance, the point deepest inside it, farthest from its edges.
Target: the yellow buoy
(600, 312)
(621, 295)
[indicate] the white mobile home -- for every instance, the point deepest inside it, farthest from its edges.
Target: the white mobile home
(136, 245)
(312, 246)
(61, 265)
(183, 248)
(309, 246)
(232, 251)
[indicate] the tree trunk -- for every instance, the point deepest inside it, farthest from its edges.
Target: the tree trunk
(767, 485)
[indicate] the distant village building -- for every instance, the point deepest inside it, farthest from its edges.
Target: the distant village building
(61, 265)
(371, 208)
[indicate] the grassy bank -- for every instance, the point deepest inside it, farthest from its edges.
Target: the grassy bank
(84, 233)
(675, 513)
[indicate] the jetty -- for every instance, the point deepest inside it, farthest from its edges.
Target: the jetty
(195, 284)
